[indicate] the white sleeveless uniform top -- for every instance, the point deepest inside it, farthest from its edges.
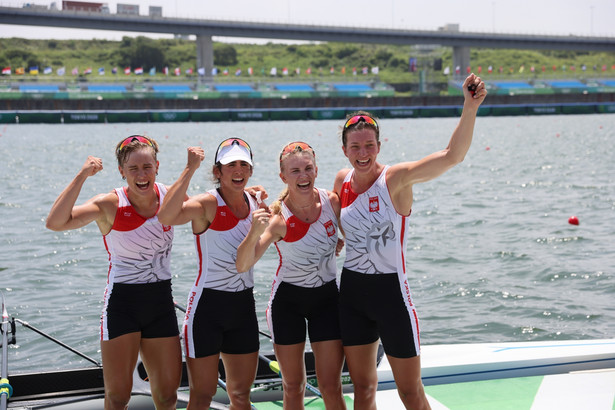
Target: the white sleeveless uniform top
(217, 249)
(375, 233)
(139, 249)
(376, 237)
(307, 252)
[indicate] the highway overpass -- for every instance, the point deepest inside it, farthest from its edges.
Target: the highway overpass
(460, 41)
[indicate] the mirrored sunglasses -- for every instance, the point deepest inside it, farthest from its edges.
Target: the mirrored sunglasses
(232, 141)
(292, 147)
(134, 138)
(359, 118)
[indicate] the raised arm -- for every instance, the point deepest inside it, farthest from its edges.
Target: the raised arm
(174, 210)
(264, 231)
(406, 174)
(64, 215)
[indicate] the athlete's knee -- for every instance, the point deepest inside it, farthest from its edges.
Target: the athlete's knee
(364, 381)
(165, 399)
(330, 387)
(200, 402)
(365, 389)
(294, 388)
(240, 398)
(117, 400)
(413, 397)
(200, 398)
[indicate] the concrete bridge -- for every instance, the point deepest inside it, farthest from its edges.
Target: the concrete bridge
(461, 42)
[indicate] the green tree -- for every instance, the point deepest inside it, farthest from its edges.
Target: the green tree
(18, 56)
(33, 61)
(346, 51)
(225, 54)
(141, 52)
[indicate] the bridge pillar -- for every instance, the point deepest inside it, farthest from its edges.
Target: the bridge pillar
(205, 55)
(461, 59)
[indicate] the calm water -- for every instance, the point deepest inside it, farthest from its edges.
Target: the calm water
(491, 255)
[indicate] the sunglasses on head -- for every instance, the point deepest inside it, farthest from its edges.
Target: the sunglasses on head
(233, 141)
(296, 146)
(359, 118)
(134, 138)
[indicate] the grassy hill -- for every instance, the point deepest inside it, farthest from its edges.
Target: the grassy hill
(392, 61)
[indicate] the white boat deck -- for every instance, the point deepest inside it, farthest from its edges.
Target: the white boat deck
(518, 376)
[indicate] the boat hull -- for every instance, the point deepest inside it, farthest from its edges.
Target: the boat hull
(454, 376)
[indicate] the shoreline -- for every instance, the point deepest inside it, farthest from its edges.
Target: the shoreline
(46, 110)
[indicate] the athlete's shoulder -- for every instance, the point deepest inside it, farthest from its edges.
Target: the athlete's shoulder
(342, 173)
(334, 199)
(339, 179)
(109, 199)
(205, 198)
(277, 227)
(107, 204)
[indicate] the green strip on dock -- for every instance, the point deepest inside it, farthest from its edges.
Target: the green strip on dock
(500, 394)
(310, 404)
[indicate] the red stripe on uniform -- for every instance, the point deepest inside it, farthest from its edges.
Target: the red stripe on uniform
(224, 220)
(401, 239)
(106, 289)
(418, 333)
(186, 341)
(200, 257)
(280, 257)
(295, 229)
(347, 195)
(108, 253)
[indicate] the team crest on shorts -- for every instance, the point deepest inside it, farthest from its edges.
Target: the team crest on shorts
(374, 204)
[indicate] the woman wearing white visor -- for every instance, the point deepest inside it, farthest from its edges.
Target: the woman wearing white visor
(221, 316)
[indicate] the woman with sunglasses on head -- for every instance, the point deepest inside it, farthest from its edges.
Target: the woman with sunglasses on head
(303, 226)
(375, 299)
(139, 314)
(220, 317)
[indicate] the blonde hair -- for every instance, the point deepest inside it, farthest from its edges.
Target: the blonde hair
(122, 153)
(299, 148)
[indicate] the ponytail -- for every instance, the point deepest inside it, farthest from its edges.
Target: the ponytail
(276, 206)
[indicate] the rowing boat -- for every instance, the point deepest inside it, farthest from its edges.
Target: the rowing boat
(52, 388)
(83, 388)
(517, 375)
(455, 377)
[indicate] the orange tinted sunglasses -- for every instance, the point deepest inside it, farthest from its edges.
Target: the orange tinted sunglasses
(134, 138)
(359, 118)
(296, 146)
(231, 141)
